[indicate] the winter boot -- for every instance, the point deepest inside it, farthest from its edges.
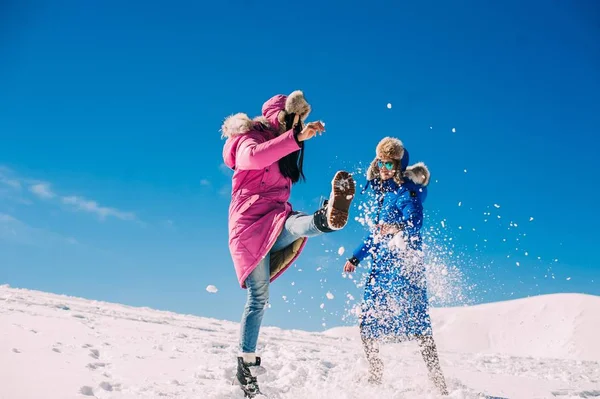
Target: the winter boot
(335, 211)
(375, 363)
(247, 381)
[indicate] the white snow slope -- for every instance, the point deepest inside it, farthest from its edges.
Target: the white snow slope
(55, 346)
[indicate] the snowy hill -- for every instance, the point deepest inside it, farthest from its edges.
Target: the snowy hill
(551, 326)
(55, 346)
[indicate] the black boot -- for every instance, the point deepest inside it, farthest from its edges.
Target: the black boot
(335, 212)
(247, 381)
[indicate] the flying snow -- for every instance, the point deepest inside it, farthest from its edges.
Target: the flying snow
(212, 289)
(341, 251)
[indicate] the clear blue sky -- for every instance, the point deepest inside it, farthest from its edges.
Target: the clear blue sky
(111, 177)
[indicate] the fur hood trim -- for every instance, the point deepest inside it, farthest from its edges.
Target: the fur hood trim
(297, 104)
(240, 123)
(418, 174)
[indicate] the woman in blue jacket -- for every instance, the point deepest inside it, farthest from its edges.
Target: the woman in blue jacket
(395, 306)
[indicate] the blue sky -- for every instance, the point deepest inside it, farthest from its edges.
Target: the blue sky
(111, 178)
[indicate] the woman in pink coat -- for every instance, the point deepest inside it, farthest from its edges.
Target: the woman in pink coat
(265, 234)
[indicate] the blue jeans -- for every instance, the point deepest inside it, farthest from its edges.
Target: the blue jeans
(296, 226)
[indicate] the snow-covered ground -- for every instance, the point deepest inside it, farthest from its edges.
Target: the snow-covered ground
(55, 346)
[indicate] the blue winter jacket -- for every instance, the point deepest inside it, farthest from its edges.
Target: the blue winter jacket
(394, 204)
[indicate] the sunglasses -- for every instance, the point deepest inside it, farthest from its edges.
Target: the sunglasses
(389, 165)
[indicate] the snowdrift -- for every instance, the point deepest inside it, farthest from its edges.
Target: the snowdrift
(559, 326)
(53, 346)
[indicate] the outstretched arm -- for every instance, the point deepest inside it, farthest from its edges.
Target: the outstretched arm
(253, 154)
(359, 254)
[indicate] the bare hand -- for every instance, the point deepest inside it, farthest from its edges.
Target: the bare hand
(349, 267)
(310, 130)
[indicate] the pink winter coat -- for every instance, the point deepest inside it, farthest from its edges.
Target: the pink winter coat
(260, 193)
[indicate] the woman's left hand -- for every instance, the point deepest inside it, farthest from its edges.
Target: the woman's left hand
(310, 130)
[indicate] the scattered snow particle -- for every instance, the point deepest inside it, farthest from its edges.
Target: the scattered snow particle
(518, 264)
(568, 278)
(284, 297)
(556, 260)
(350, 297)
(341, 251)
(430, 127)
(526, 253)
(319, 268)
(453, 130)
(497, 206)
(531, 219)
(465, 171)
(324, 324)
(460, 227)
(389, 105)
(329, 295)
(443, 224)
(322, 306)
(293, 283)
(460, 203)
(212, 289)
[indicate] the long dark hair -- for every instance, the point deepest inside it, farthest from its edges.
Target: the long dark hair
(291, 165)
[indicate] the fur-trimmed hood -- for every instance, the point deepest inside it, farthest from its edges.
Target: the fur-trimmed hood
(241, 123)
(418, 174)
(271, 118)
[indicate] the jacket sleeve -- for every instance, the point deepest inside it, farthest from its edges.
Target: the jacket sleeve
(362, 251)
(252, 154)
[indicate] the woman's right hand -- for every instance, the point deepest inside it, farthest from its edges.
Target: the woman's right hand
(349, 267)
(310, 130)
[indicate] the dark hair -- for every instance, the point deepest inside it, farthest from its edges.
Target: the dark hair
(291, 165)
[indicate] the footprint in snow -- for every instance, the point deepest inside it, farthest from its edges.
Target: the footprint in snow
(95, 366)
(16, 350)
(94, 353)
(107, 386)
(86, 390)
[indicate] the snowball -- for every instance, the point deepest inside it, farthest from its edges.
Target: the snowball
(212, 289)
